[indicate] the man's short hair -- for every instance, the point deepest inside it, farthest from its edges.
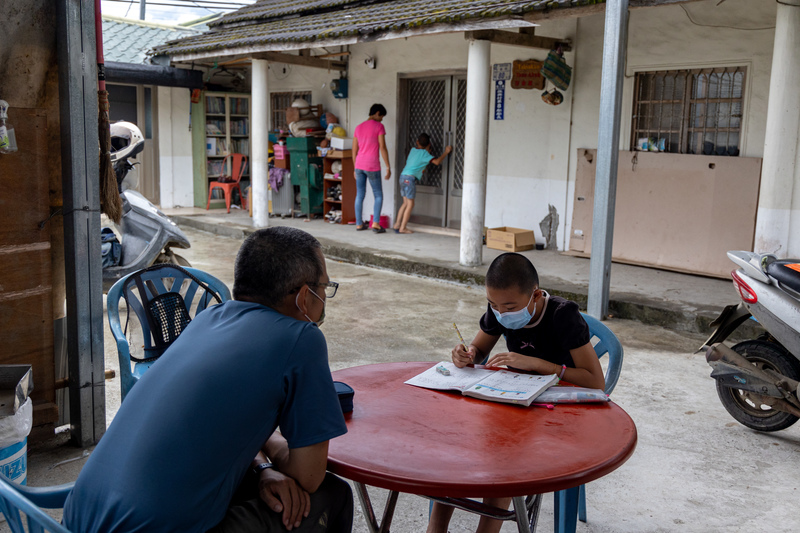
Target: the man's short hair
(377, 108)
(274, 261)
(424, 140)
(512, 269)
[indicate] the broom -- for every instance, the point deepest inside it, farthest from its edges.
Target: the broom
(110, 201)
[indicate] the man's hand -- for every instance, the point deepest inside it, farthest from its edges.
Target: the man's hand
(388, 174)
(448, 149)
(283, 494)
(462, 358)
(523, 362)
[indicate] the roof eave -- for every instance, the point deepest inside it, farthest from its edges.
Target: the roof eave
(440, 28)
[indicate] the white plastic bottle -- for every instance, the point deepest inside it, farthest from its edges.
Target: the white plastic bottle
(8, 140)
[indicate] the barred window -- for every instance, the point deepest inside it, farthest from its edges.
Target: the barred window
(689, 111)
(278, 104)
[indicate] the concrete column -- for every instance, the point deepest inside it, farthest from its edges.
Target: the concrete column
(476, 144)
(779, 199)
(259, 118)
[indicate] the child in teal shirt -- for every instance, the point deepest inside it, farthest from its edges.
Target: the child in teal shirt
(418, 159)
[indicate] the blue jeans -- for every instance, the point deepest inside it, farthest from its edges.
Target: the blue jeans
(361, 191)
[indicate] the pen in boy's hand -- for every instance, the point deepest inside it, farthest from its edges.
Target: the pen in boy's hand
(464, 344)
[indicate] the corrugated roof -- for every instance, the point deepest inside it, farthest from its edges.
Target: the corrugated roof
(270, 22)
(128, 40)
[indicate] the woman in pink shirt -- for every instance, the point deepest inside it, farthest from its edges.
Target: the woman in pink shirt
(369, 140)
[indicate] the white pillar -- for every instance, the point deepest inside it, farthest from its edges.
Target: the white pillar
(476, 145)
(780, 169)
(259, 118)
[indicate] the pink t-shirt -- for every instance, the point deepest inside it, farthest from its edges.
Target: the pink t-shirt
(369, 149)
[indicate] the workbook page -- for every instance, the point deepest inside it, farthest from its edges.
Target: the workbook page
(511, 387)
(458, 379)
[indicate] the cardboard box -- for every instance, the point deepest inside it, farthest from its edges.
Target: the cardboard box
(341, 144)
(510, 239)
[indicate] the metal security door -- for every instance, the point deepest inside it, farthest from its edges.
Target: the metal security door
(437, 106)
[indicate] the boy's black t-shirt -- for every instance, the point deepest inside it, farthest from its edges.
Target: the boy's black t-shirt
(561, 328)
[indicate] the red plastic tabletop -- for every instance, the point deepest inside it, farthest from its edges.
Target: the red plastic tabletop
(426, 442)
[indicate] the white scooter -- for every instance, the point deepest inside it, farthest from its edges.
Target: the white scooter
(147, 234)
(757, 380)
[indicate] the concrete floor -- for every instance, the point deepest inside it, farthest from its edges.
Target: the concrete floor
(695, 469)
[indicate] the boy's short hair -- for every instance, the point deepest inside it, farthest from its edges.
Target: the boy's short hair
(377, 108)
(274, 261)
(512, 269)
(424, 140)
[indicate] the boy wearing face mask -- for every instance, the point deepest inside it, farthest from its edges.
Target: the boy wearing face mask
(544, 334)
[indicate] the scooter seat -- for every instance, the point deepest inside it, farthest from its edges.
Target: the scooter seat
(787, 272)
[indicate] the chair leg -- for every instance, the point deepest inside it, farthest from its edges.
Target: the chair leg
(565, 512)
(228, 193)
(208, 204)
(582, 504)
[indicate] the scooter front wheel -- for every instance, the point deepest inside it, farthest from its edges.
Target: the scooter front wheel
(748, 409)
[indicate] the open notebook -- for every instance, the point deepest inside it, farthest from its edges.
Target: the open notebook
(494, 385)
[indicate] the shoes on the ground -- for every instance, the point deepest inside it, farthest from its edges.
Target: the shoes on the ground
(362, 227)
(378, 230)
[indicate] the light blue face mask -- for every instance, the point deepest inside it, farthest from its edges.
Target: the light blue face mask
(516, 319)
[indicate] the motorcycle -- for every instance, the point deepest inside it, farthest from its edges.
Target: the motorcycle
(757, 380)
(147, 234)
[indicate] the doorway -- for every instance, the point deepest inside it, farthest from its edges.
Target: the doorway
(135, 103)
(437, 106)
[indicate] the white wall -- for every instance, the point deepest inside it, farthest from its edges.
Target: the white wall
(175, 147)
(532, 153)
(692, 35)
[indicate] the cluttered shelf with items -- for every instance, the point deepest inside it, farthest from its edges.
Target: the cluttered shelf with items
(314, 156)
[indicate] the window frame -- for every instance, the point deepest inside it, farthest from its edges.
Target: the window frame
(278, 114)
(686, 102)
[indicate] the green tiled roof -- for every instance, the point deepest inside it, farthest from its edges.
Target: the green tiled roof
(271, 22)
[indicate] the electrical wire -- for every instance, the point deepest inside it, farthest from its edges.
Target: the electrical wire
(689, 16)
(129, 7)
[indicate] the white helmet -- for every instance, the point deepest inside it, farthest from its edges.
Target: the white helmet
(126, 140)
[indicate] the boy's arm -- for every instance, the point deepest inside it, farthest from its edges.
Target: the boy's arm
(480, 347)
(438, 160)
(587, 371)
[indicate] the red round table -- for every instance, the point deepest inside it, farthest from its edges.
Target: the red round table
(441, 444)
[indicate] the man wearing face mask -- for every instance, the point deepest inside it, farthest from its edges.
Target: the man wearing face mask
(228, 431)
(544, 334)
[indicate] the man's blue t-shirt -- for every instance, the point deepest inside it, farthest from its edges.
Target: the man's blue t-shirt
(187, 432)
(417, 161)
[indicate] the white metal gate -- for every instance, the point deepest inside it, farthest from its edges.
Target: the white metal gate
(437, 106)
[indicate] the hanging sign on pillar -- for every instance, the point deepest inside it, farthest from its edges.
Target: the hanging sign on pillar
(500, 73)
(499, 99)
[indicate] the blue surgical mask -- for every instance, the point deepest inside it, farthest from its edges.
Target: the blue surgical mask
(516, 319)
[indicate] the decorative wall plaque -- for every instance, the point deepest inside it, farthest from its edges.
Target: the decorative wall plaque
(527, 75)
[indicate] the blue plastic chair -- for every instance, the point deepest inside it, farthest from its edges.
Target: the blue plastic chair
(570, 504)
(157, 281)
(20, 504)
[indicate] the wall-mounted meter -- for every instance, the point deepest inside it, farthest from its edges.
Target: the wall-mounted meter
(339, 88)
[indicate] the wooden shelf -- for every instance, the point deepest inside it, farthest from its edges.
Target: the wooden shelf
(348, 183)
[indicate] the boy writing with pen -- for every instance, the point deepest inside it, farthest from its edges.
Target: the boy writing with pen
(544, 334)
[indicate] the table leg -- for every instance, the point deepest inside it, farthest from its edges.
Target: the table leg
(527, 512)
(369, 513)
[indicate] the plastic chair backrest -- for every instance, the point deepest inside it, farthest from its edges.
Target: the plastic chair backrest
(19, 510)
(237, 166)
(606, 344)
(156, 281)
